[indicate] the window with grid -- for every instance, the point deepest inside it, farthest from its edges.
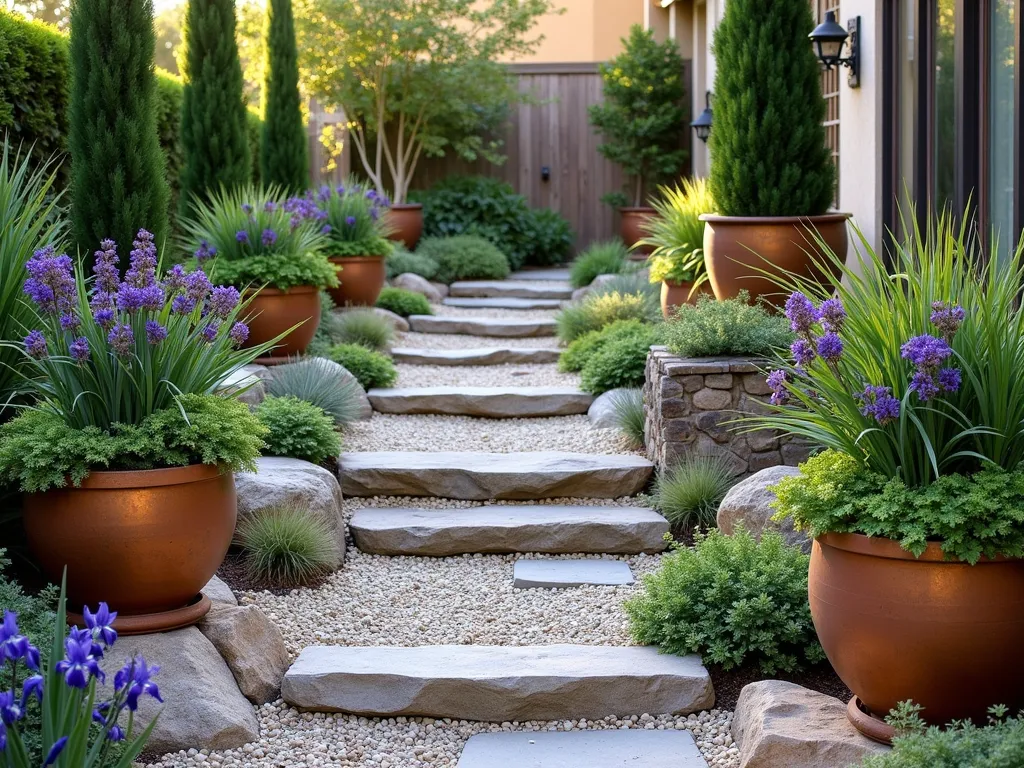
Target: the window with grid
(830, 90)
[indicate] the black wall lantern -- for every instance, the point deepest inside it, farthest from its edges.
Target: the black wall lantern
(828, 39)
(702, 125)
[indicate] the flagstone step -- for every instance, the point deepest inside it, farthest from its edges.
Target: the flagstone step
(561, 574)
(482, 326)
(482, 476)
(622, 748)
(497, 683)
(554, 274)
(502, 303)
(478, 356)
(547, 528)
(509, 289)
(483, 402)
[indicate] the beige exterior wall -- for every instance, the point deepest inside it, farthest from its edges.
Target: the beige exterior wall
(587, 31)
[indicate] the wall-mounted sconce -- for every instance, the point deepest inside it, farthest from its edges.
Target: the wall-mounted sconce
(828, 39)
(545, 173)
(702, 125)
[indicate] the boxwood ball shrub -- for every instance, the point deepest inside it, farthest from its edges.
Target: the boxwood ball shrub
(731, 327)
(400, 261)
(464, 257)
(403, 302)
(298, 430)
(620, 362)
(598, 310)
(586, 346)
(287, 546)
(371, 369)
(316, 381)
(732, 599)
(604, 258)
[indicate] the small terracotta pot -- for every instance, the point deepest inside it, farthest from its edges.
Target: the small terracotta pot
(273, 312)
(674, 295)
(361, 280)
(406, 222)
(945, 634)
(736, 247)
(145, 542)
(631, 226)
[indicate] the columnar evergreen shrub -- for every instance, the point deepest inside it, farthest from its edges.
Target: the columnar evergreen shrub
(117, 169)
(283, 146)
(768, 153)
(214, 132)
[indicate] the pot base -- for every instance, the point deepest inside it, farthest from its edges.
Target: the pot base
(273, 360)
(151, 623)
(869, 725)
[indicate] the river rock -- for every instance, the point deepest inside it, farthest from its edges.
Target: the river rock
(417, 284)
(748, 502)
(252, 646)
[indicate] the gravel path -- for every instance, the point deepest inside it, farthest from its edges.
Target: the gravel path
(513, 374)
(454, 341)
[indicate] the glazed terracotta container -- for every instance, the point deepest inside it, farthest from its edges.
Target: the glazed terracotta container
(944, 634)
(361, 279)
(632, 228)
(145, 542)
(272, 312)
(675, 294)
(736, 247)
(406, 223)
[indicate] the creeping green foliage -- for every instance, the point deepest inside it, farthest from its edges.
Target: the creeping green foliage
(732, 599)
(401, 261)
(600, 309)
(38, 450)
(604, 258)
(689, 493)
(464, 257)
(619, 363)
(287, 546)
(629, 416)
(298, 429)
(36, 613)
(731, 327)
(371, 369)
(313, 380)
(403, 302)
(363, 327)
(971, 516)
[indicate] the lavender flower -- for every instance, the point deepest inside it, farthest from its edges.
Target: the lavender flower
(142, 262)
(270, 206)
(924, 384)
(183, 304)
(122, 340)
(268, 238)
(223, 300)
(35, 345)
(51, 283)
(830, 347)
(79, 665)
(926, 352)
(948, 379)
(879, 404)
(197, 285)
(247, 208)
(947, 318)
(105, 268)
(833, 316)
(324, 194)
(350, 221)
(242, 236)
(104, 318)
(803, 352)
(777, 380)
(132, 298)
(79, 349)
(70, 321)
(209, 333)
(801, 313)
(371, 194)
(174, 278)
(325, 229)
(155, 333)
(239, 333)
(204, 252)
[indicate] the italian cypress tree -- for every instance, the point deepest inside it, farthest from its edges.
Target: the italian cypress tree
(213, 119)
(283, 144)
(768, 153)
(117, 169)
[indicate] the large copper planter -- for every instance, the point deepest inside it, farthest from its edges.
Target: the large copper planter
(361, 280)
(406, 223)
(145, 542)
(632, 229)
(945, 634)
(674, 295)
(736, 247)
(272, 312)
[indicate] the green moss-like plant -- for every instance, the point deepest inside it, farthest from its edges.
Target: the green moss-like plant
(371, 369)
(400, 261)
(729, 327)
(283, 146)
(403, 302)
(464, 257)
(586, 346)
(298, 429)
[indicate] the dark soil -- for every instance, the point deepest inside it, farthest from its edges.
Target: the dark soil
(821, 678)
(233, 573)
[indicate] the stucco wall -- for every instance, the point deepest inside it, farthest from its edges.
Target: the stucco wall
(587, 31)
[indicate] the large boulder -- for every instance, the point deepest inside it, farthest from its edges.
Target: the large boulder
(247, 384)
(252, 646)
(783, 724)
(749, 502)
(413, 282)
(397, 322)
(203, 708)
(280, 481)
(602, 410)
(219, 592)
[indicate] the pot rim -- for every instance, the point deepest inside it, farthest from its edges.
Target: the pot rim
(148, 478)
(890, 549)
(405, 206)
(294, 290)
(824, 218)
(353, 259)
(637, 209)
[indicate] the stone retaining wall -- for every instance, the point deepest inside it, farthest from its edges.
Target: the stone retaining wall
(688, 402)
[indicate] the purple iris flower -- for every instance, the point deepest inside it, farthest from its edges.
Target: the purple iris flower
(801, 313)
(55, 750)
(247, 208)
(325, 229)
(223, 300)
(79, 349)
(33, 686)
(239, 333)
(830, 347)
(242, 236)
(350, 221)
(324, 194)
(10, 710)
(116, 733)
(35, 345)
(135, 678)
(122, 340)
(879, 404)
(371, 194)
(948, 379)
(268, 237)
(79, 665)
(14, 646)
(802, 351)
(947, 317)
(777, 380)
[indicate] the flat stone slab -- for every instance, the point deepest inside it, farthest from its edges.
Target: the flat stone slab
(482, 326)
(509, 289)
(552, 529)
(582, 749)
(497, 683)
(485, 402)
(555, 274)
(483, 476)
(479, 356)
(502, 303)
(561, 574)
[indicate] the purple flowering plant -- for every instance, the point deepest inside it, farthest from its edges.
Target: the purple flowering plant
(354, 217)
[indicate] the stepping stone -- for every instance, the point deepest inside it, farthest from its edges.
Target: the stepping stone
(503, 303)
(483, 476)
(560, 574)
(582, 749)
(483, 326)
(486, 402)
(497, 683)
(559, 275)
(509, 289)
(548, 528)
(480, 356)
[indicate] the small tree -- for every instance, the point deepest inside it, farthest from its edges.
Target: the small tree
(283, 145)
(768, 152)
(642, 117)
(213, 120)
(117, 168)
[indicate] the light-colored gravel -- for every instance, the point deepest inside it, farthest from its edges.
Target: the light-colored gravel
(456, 341)
(511, 375)
(443, 310)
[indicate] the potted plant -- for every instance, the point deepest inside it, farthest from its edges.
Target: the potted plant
(675, 237)
(272, 250)
(772, 175)
(126, 458)
(910, 378)
(356, 241)
(642, 119)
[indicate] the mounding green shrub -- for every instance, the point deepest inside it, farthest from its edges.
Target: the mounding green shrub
(403, 302)
(287, 546)
(401, 261)
(464, 257)
(371, 369)
(732, 599)
(298, 429)
(313, 380)
(598, 310)
(604, 258)
(731, 327)
(619, 363)
(689, 493)
(629, 416)
(363, 327)
(576, 355)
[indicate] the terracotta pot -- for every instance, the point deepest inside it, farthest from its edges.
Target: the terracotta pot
(406, 221)
(736, 247)
(632, 230)
(145, 542)
(273, 312)
(361, 278)
(674, 295)
(943, 633)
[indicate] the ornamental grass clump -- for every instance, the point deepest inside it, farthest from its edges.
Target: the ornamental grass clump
(287, 546)
(604, 258)
(676, 233)
(316, 381)
(354, 222)
(464, 257)
(363, 327)
(689, 493)
(600, 309)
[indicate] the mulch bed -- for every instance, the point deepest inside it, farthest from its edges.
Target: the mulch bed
(728, 684)
(234, 573)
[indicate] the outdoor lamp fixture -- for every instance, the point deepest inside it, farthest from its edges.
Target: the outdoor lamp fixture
(702, 125)
(828, 39)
